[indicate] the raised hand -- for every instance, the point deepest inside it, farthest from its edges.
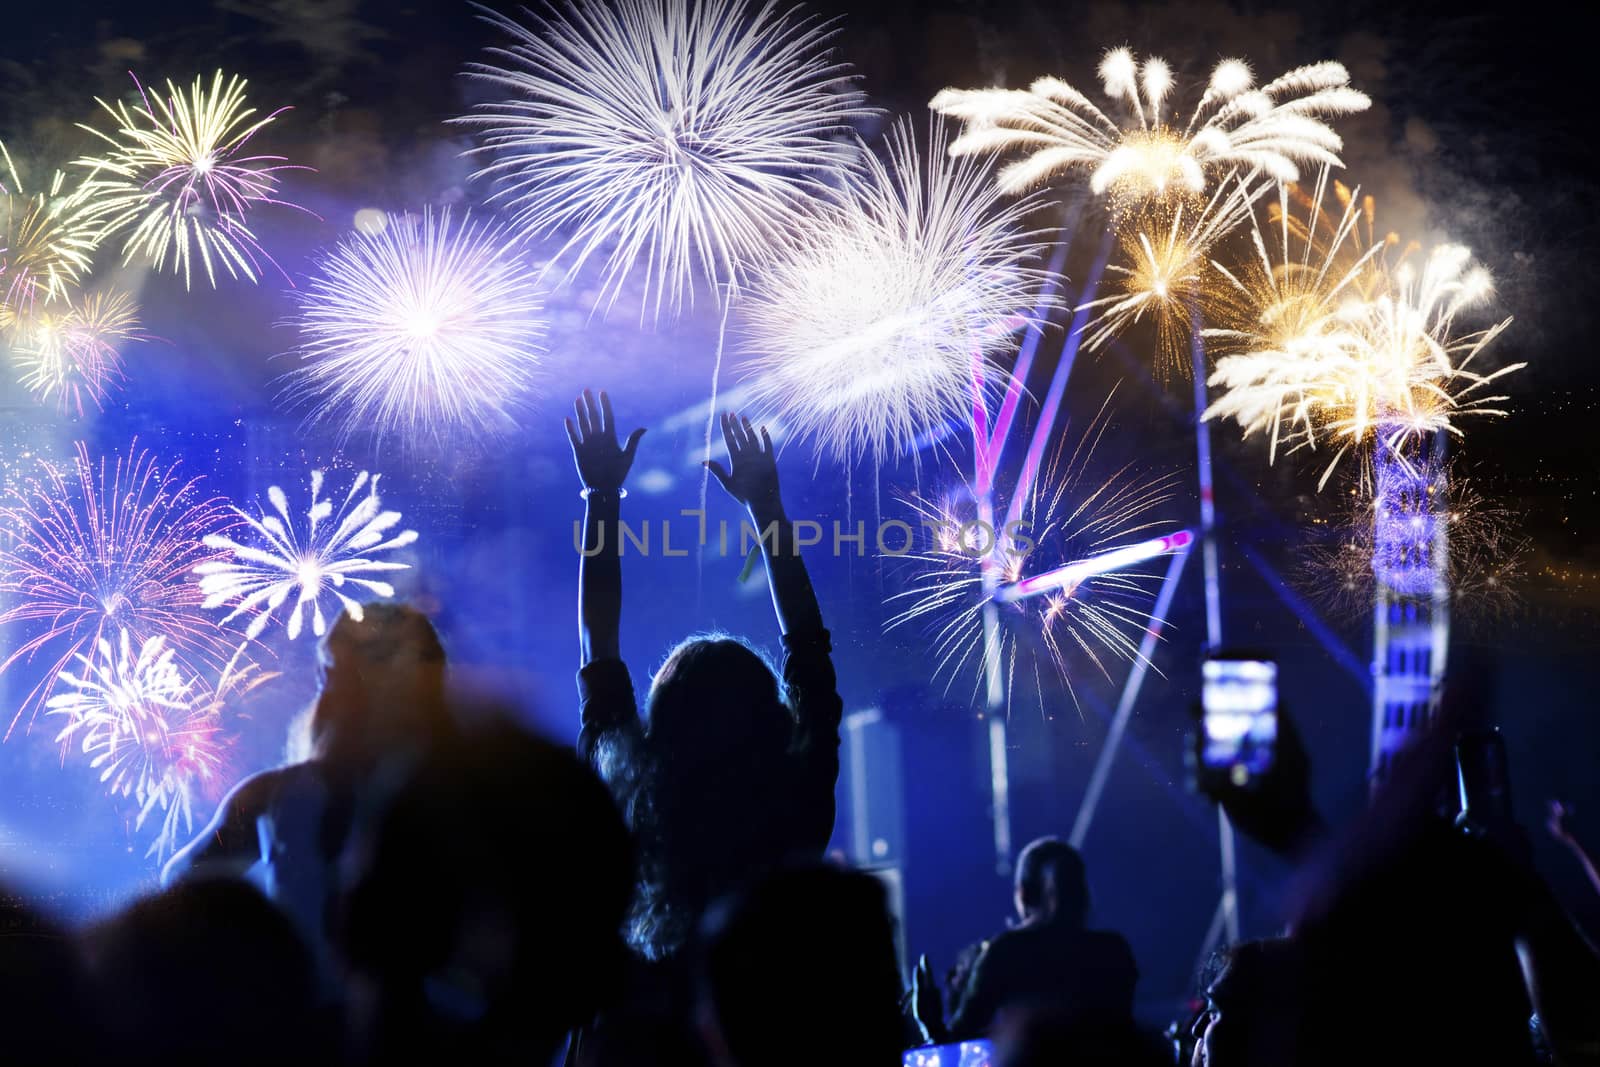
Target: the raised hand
(1556, 823)
(751, 476)
(602, 465)
(927, 1005)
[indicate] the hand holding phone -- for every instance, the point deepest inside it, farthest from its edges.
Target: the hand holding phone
(1247, 755)
(1239, 719)
(1483, 780)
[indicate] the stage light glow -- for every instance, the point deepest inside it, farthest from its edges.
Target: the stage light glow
(174, 174)
(880, 321)
(429, 326)
(370, 221)
(1274, 129)
(680, 138)
(331, 551)
(1069, 576)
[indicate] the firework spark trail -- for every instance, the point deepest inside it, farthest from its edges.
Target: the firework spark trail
(97, 549)
(69, 352)
(331, 553)
(46, 241)
(1391, 363)
(427, 325)
(1272, 129)
(1167, 276)
(867, 332)
(174, 171)
(683, 136)
(1074, 513)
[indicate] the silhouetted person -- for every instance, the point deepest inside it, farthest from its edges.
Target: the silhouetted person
(382, 704)
(733, 770)
(1254, 1001)
(1428, 941)
(44, 1005)
(485, 901)
(800, 969)
(1085, 977)
(203, 973)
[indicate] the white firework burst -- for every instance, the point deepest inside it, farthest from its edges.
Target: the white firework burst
(680, 136)
(1391, 364)
(881, 320)
(424, 325)
(112, 691)
(330, 554)
(1234, 125)
(150, 731)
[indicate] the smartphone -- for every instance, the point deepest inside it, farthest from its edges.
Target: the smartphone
(1239, 718)
(966, 1054)
(1483, 777)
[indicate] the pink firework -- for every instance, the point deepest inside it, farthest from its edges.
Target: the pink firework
(90, 549)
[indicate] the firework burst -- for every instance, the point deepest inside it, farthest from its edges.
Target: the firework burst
(1486, 554)
(331, 554)
(1285, 306)
(1390, 363)
(419, 327)
(94, 549)
(680, 136)
(1273, 129)
(884, 316)
(153, 731)
(46, 241)
(69, 354)
(1076, 511)
(176, 176)
(1166, 277)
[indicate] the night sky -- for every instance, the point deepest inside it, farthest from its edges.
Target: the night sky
(1482, 131)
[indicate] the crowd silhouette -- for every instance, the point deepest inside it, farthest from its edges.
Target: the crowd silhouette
(432, 883)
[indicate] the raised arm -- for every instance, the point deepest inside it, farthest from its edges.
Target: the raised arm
(602, 466)
(751, 478)
(231, 843)
(1561, 830)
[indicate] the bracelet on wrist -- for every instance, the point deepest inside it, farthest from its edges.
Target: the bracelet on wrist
(603, 494)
